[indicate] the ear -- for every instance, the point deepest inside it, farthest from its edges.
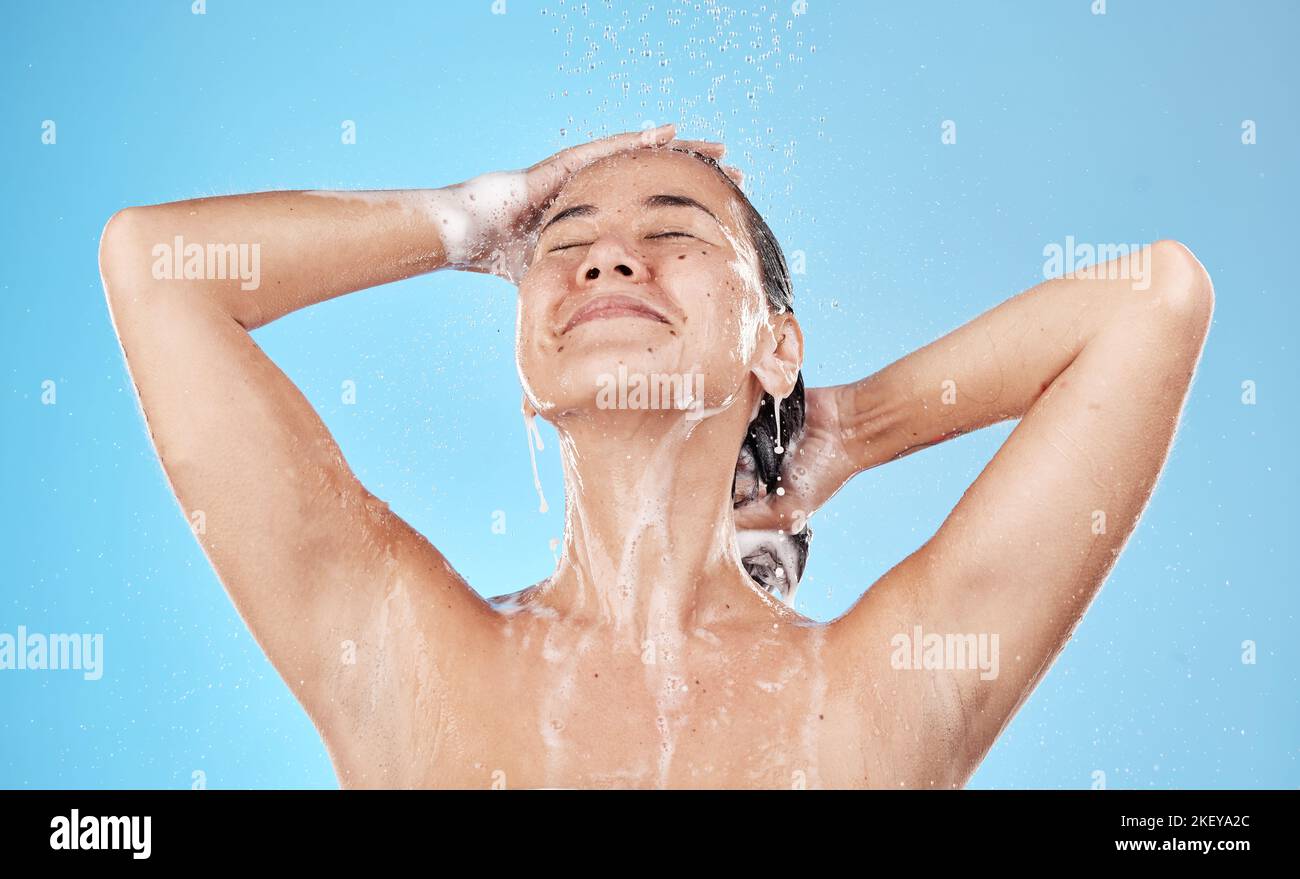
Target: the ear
(777, 368)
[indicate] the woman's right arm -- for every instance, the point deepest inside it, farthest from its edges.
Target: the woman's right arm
(297, 248)
(313, 562)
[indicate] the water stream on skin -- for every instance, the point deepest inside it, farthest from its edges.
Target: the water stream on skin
(779, 449)
(535, 437)
(776, 410)
(666, 671)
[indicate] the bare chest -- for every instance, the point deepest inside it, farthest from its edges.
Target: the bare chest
(564, 709)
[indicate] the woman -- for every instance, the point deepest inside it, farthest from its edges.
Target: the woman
(651, 657)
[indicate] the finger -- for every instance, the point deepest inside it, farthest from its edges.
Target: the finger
(582, 154)
(565, 163)
(659, 135)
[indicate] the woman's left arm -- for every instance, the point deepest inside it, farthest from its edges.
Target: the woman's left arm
(1097, 367)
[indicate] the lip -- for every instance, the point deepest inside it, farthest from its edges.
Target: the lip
(611, 306)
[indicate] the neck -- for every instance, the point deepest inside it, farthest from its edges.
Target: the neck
(649, 546)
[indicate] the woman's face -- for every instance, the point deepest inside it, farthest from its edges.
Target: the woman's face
(642, 271)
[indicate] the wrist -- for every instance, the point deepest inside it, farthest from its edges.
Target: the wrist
(867, 423)
(475, 219)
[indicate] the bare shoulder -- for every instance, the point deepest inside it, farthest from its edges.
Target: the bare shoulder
(392, 672)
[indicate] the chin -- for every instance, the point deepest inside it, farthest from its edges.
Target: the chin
(610, 371)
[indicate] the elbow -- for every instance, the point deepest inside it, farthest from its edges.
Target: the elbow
(1183, 285)
(120, 248)
(126, 254)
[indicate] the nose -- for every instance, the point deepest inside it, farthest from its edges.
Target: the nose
(610, 258)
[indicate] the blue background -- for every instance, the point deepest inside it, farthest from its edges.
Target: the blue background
(1123, 127)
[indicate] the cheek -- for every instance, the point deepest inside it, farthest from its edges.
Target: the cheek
(724, 314)
(531, 334)
(525, 319)
(538, 293)
(726, 309)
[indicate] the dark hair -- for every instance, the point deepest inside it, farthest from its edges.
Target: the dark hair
(759, 447)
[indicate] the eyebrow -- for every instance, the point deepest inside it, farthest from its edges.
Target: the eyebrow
(655, 201)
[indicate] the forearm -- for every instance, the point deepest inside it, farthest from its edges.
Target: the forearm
(260, 256)
(996, 366)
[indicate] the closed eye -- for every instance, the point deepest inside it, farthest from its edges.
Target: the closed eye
(587, 243)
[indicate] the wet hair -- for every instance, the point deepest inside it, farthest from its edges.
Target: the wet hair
(758, 451)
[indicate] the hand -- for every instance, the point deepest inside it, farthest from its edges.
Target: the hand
(494, 216)
(813, 471)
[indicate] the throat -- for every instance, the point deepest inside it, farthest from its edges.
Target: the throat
(650, 545)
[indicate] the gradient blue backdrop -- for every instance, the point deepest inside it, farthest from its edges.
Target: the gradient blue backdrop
(1123, 127)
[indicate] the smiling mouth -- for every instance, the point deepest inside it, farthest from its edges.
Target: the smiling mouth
(605, 307)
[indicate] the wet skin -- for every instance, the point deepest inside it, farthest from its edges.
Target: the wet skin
(649, 658)
(624, 669)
